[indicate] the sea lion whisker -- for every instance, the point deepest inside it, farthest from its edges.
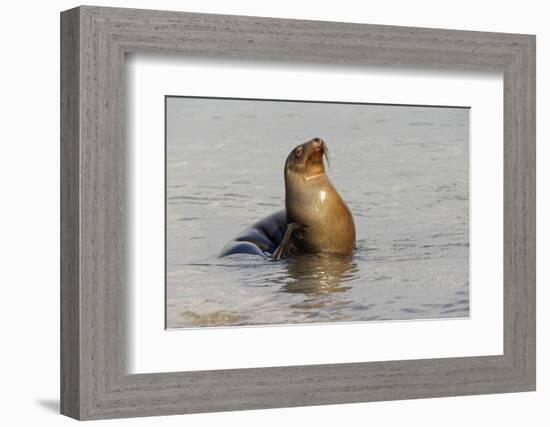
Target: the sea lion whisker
(325, 153)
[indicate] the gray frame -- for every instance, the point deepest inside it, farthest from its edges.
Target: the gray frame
(94, 383)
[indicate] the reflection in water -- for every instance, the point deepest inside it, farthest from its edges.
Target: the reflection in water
(322, 281)
(319, 274)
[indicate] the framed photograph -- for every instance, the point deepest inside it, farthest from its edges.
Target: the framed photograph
(261, 213)
(362, 235)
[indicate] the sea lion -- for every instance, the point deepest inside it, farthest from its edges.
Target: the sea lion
(315, 220)
(261, 238)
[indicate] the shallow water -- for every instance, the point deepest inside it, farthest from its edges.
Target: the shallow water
(403, 171)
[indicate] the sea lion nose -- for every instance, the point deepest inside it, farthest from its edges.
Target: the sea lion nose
(317, 142)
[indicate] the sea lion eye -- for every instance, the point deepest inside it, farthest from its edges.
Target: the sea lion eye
(299, 151)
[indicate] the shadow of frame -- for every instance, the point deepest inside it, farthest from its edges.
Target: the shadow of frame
(51, 405)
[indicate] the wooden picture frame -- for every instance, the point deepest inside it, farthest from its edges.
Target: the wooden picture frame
(94, 382)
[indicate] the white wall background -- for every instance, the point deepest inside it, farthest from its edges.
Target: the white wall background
(29, 224)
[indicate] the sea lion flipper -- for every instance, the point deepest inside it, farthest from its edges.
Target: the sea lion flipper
(286, 246)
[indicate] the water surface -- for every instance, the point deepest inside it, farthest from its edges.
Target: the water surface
(402, 170)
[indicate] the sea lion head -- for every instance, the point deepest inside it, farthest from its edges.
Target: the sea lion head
(306, 160)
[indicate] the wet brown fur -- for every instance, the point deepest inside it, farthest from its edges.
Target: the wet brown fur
(312, 201)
